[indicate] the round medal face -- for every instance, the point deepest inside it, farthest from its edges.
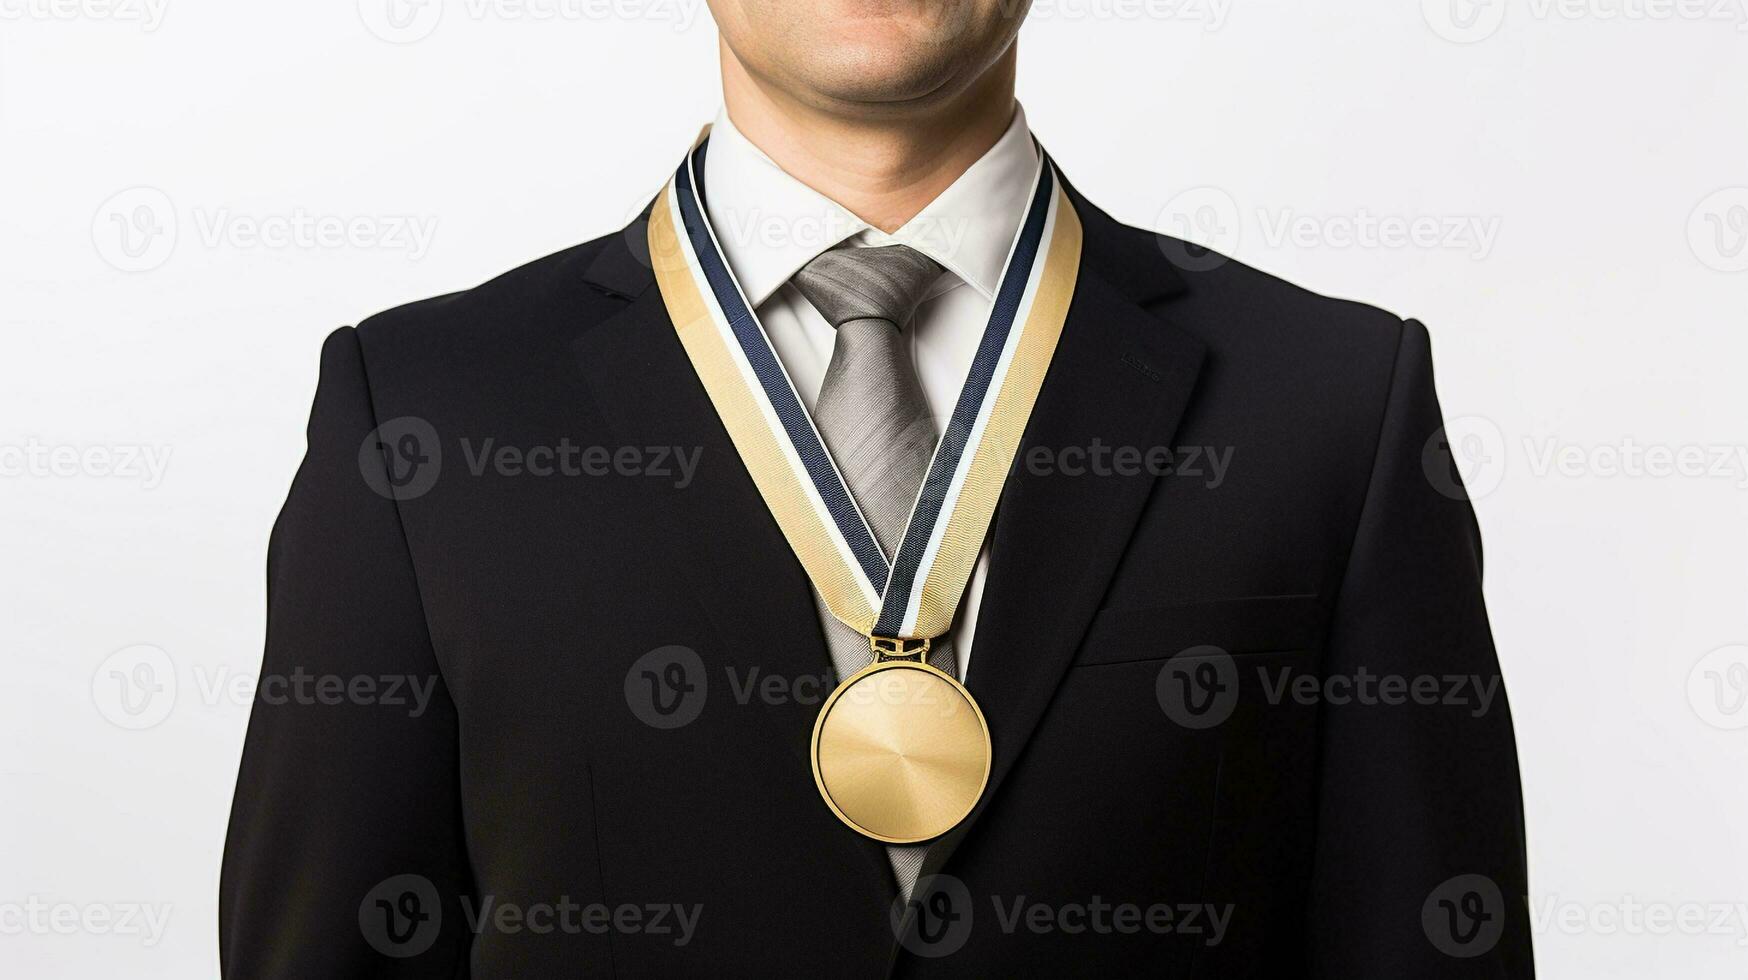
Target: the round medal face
(901, 752)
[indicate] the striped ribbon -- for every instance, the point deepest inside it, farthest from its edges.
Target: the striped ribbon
(916, 593)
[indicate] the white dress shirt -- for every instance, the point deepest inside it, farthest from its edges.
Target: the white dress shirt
(770, 225)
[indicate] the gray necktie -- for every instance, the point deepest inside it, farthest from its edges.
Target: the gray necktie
(876, 423)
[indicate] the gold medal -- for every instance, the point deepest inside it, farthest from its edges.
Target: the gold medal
(901, 752)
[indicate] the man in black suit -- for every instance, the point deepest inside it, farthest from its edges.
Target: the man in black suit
(545, 657)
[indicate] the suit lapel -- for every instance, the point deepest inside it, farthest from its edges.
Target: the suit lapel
(730, 556)
(1121, 377)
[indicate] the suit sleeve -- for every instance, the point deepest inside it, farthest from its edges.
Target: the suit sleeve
(344, 856)
(1419, 865)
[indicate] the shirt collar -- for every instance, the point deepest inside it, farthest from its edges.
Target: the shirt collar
(769, 224)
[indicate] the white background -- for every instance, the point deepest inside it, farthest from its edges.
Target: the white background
(1591, 303)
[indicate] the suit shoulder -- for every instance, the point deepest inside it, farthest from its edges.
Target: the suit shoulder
(1273, 342)
(526, 297)
(1233, 297)
(1251, 320)
(502, 328)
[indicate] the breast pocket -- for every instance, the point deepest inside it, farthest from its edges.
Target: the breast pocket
(1237, 626)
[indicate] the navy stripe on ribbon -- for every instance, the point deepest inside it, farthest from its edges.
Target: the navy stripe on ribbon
(814, 457)
(965, 411)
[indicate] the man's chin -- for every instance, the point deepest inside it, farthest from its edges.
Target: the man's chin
(866, 77)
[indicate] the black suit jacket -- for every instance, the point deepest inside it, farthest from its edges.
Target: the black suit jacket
(1189, 778)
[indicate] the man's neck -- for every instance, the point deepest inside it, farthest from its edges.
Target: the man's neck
(885, 166)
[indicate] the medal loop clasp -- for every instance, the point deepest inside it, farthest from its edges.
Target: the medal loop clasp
(899, 648)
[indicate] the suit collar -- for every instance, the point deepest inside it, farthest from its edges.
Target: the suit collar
(621, 265)
(1133, 261)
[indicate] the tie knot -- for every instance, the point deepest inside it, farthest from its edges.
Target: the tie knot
(882, 283)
